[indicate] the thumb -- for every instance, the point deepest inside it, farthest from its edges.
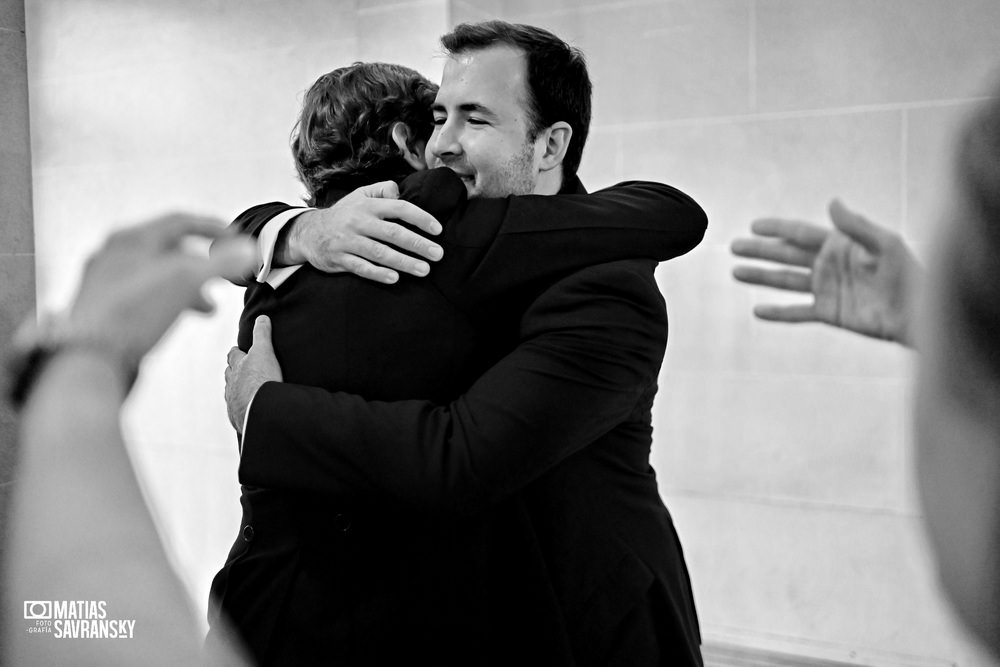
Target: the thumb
(856, 227)
(383, 190)
(262, 333)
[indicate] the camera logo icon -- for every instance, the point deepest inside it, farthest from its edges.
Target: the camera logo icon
(35, 610)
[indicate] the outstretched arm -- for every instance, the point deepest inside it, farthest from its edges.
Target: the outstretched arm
(862, 276)
(358, 234)
(504, 241)
(80, 528)
(591, 348)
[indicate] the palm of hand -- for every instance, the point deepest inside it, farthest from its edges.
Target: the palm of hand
(858, 290)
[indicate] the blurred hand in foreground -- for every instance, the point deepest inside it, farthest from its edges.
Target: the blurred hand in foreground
(144, 276)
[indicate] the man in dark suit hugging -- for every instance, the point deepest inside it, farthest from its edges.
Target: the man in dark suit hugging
(455, 468)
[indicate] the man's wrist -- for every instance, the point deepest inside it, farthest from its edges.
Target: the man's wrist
(289, 248)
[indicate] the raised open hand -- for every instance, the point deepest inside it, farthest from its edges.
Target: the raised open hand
(861, 275)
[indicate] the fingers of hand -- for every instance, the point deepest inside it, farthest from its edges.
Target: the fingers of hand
(260, 365)
(234, 356)
(774, 251)
(791, 314)
(187, 273)
(152, 254)
(382, 190)
(408, 213)
(365, 269)
(793, 281)
(363, 257)
(233, 256)
(167, 231)
(262, 332)
(401, 237)
(383, 255)
(804, 235)
(857, 227)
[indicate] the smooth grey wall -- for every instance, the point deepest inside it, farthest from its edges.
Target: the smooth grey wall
(17, 244)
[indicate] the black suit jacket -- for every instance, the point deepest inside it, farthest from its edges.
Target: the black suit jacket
(519, 521)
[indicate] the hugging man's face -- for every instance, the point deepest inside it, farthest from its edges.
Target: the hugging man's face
(481, 123)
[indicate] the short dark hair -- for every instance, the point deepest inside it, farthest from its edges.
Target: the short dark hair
(559, 87)
(344, 131)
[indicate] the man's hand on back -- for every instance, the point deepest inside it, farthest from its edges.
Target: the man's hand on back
(357, 235)
(245, 373)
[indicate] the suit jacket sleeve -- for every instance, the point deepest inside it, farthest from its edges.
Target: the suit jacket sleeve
(591, 346)
(252, 220)
(529, 241)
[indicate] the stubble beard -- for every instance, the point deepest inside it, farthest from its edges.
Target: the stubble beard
(515, 177)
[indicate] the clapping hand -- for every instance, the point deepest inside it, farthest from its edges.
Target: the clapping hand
(861, 275)
(143, 277)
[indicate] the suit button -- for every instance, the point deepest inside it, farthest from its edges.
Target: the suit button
(342, 522)
(248, 533)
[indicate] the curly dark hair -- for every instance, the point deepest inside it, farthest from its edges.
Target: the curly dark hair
(343, 133)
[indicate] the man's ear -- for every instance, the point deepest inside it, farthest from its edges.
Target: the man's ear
(556, 142)
(401, 137)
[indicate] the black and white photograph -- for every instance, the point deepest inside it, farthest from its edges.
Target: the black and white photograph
(489, 333)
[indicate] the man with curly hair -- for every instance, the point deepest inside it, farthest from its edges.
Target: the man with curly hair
(362, 124)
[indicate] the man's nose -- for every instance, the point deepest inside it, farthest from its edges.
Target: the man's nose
(444, 142)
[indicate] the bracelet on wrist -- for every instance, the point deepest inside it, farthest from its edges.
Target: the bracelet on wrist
(35, 344)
